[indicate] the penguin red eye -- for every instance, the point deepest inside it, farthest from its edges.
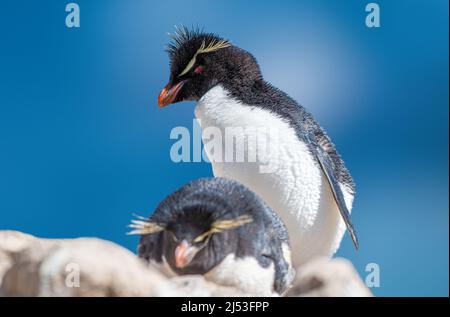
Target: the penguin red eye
(198, 70)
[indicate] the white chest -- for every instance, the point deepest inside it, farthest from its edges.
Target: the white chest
(294, 185)
(244, 273)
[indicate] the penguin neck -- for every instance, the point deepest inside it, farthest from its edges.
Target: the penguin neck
(260, 94)
(221, 108)
(215, 97)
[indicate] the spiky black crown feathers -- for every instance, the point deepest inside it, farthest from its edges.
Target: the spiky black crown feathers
(183, 35)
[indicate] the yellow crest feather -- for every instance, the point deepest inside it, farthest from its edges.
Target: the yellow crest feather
(221, 225)
(231, 223)
(145, 227)
(212, 47)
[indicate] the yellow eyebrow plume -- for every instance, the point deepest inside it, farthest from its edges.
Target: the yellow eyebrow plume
(202, 237)
(221, 225)
(145, 227)
(232, 223)
(212, 47)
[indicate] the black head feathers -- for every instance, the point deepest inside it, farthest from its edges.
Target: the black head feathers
(187, 43)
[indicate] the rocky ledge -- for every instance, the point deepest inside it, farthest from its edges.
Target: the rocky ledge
(31, 266)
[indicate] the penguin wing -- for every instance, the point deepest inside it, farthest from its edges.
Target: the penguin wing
(276, 247)
(278, 252)
(327, 167)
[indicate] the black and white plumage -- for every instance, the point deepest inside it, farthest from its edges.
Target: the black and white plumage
(310, 189)
(218, 228)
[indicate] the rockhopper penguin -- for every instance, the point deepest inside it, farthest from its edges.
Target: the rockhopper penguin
(310, 189)
(218, 228)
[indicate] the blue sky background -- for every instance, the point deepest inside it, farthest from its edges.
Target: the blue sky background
(83, 144)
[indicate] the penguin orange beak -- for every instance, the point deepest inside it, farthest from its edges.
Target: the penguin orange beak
(169, 93)
(184, 253)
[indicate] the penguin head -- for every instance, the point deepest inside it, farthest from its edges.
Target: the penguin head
(199, 61)
(194, 229)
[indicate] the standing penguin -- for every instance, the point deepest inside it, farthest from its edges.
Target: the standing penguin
(310, 188)
(218, 228)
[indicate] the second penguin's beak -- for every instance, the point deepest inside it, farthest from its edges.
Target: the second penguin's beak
(169, 93)
(184, 253)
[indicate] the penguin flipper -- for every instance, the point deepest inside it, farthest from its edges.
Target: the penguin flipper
(327, 168)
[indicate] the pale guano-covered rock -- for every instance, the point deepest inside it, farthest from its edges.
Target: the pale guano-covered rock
(323, 277)
(11, 242)
(31, 266)
(76, 267)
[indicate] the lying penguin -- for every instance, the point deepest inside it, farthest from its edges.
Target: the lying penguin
(220, 229)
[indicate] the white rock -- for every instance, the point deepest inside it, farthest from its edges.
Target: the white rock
(31, 266)
(323, 277)
(42, 267)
